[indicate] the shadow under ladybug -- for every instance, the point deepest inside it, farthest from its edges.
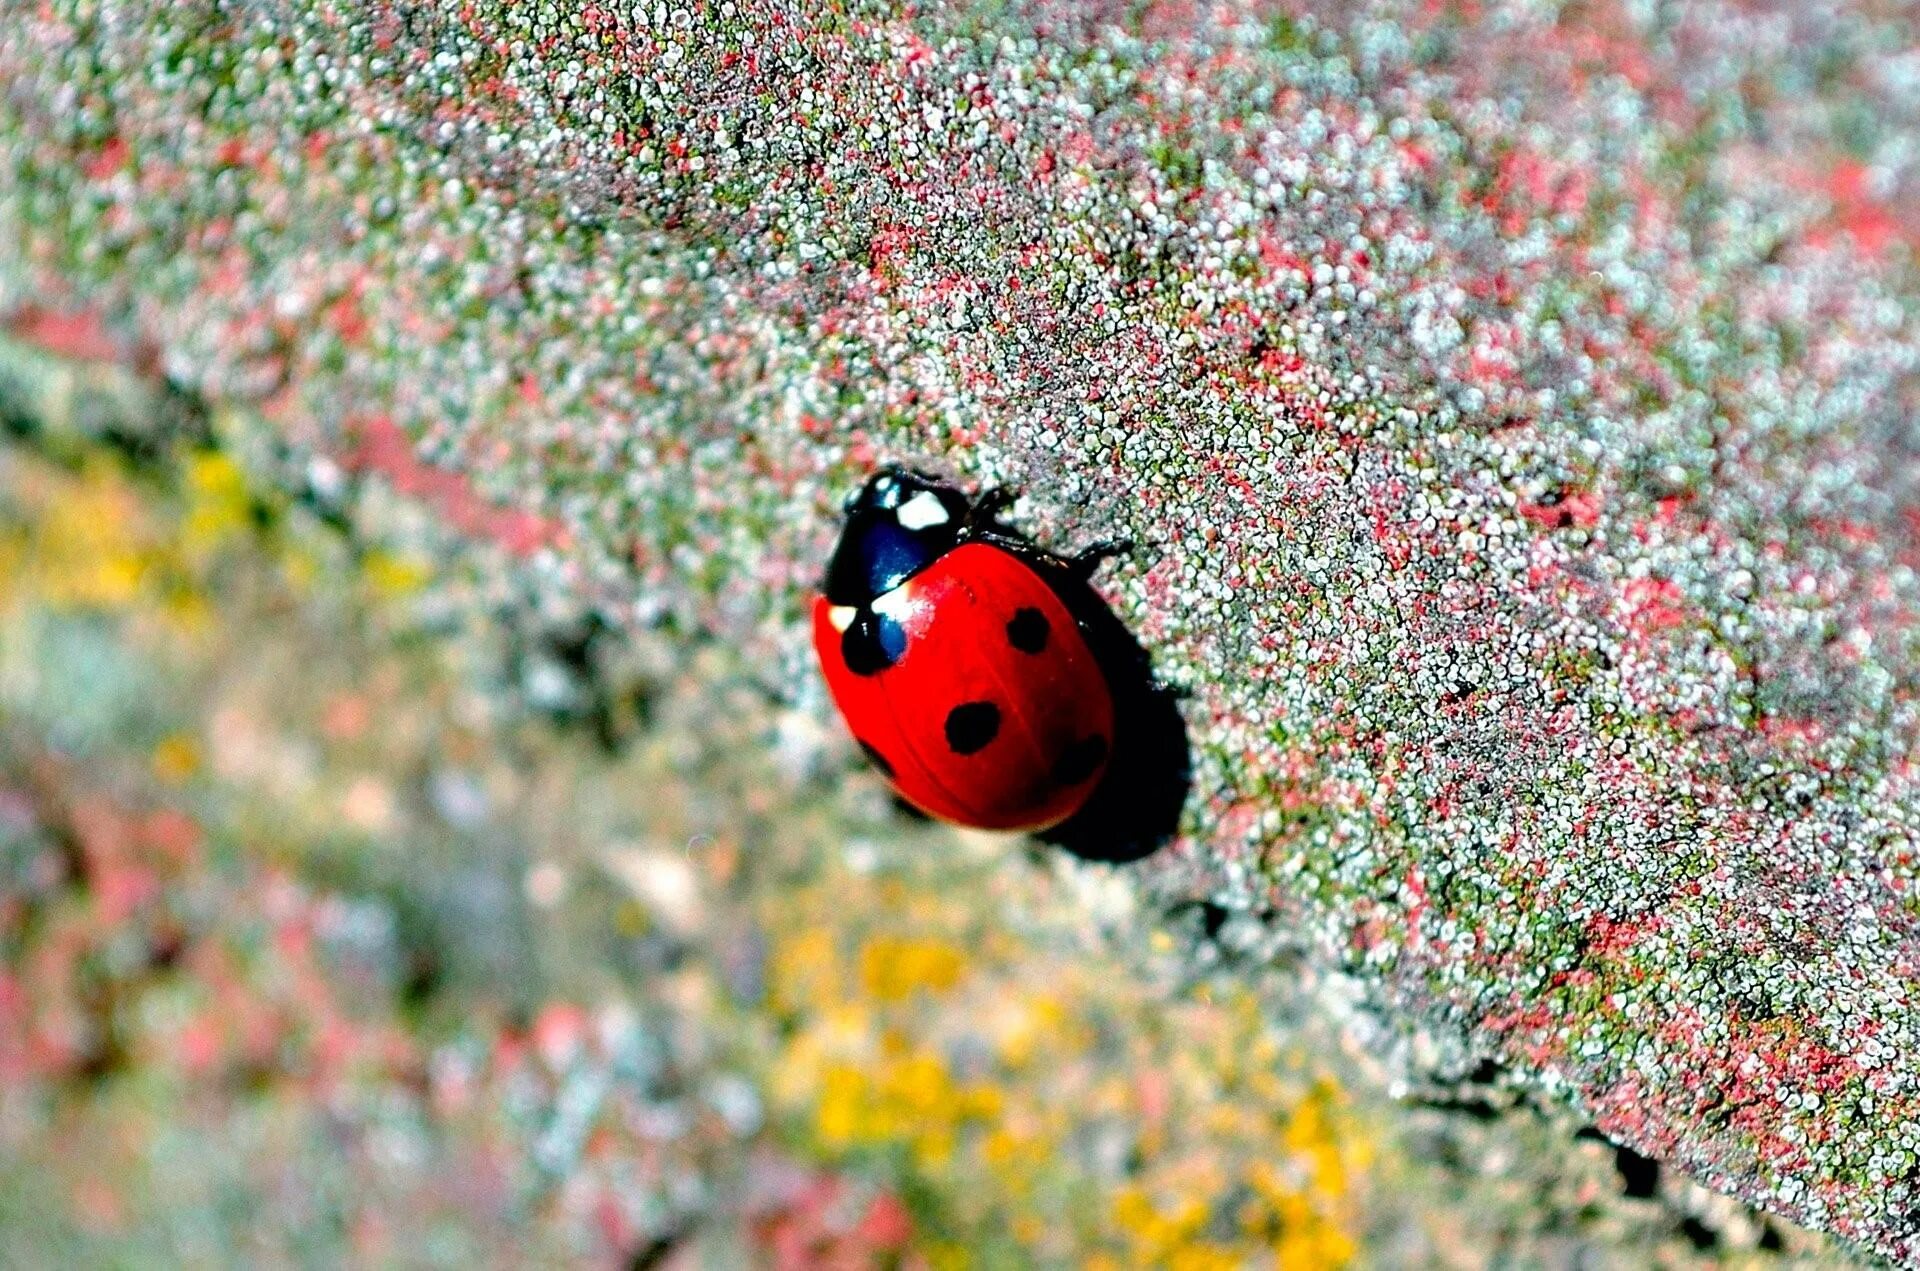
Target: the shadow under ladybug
(939, 624)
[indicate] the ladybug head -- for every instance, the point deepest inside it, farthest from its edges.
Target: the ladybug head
(898, 523)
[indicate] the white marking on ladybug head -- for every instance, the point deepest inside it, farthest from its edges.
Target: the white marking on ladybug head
(923, 511)
(895, 604)
(841, 616)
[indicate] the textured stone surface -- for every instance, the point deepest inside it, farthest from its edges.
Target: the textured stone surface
(1519, 406)
(337, 930)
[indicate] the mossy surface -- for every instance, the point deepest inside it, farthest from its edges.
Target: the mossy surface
(1518, 408)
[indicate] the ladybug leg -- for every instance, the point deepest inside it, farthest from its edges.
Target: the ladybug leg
(1012, 540)
(986, 509)
(1080, 566)
(1083, 563)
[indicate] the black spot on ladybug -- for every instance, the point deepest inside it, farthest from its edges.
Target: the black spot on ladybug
(971, 725)
(872, 642)
(877, 759)
(1027, 630)
(1078, 761)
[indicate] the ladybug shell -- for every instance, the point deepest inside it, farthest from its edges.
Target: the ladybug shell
(996, 714)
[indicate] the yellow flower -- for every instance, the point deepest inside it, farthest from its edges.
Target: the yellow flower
(1310, 1134)
(88, 553)
(188, 612)
(218, 505)
(1205, 1256)
(393, 576)
(944, 1255)
(1158, 1235)
(176, 758)
(1314, 1245)
(1133, 1212)
(893, 968)
(982, 1102)
(1304, 1235)
(805, 970)
(840, 1118)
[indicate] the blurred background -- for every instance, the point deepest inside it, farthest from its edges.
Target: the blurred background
(339, 925)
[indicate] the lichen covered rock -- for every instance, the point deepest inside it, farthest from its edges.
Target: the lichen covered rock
(1517, 406)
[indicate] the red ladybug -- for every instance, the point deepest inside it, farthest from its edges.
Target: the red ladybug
(961, 670)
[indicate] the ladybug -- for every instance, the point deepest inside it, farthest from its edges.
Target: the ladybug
(960, 655)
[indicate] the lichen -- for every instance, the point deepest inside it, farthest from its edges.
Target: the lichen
(1515, 404)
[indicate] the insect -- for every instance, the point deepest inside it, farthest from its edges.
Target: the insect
(960, 655)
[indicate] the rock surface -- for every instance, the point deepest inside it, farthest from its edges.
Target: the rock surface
(1519, 406)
